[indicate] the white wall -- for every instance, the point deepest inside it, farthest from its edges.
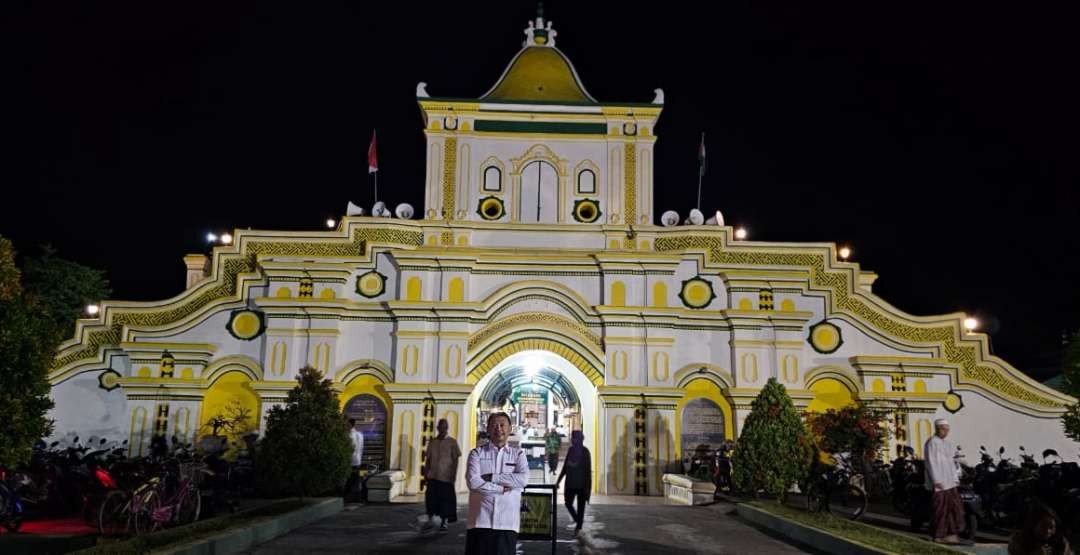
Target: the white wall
(84, 408)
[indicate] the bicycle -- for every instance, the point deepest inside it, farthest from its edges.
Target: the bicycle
(123, 512)
(177, 499)
(836, 490)
(878, 481)
(172, 498)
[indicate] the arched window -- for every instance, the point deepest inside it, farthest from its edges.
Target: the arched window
(539, 193)
(492, 179)
(586, 182)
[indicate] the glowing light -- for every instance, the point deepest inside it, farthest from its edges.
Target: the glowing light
(970, 324)
(330, 223)
(845, 252)
(740, 233)
(210, 237)
(533, 365)
(92, 309)
(226, 239)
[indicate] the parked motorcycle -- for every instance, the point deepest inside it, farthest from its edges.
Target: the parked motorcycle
(905, 472)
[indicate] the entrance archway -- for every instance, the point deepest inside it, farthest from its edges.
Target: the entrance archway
(527, 382)
(830, 393)
(230, 408)
(363, 396)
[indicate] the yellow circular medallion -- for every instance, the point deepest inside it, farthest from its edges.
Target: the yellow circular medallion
(696, 293)
(109, 380)
(246, 324)
(953, 402)
(370, 284)
(825, 338)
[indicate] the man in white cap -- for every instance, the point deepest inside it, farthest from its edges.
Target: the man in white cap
(941, 478)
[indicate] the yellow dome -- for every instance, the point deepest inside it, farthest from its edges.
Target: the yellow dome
(539, 73)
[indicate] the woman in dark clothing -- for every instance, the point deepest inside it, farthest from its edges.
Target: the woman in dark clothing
(577, 469)
(1041, 534)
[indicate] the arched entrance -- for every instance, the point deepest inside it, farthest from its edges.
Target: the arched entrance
(703, 418)
(830, 393)
(230, 408)
(540, 390)
(370, 414)
(363, 396)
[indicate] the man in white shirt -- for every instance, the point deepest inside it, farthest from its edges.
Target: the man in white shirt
(357, 438)
(941, 478)
(496, 475)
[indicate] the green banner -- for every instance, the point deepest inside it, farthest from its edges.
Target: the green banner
(536, 516)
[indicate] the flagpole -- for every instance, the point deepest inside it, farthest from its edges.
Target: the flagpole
(700, 174)
(371, 154)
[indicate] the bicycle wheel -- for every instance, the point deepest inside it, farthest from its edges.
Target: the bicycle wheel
(143, 509)
(816, 498)
(848, 502)
(114, 515)
(190, 506)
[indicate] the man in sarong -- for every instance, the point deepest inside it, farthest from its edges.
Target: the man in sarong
(442, 466)
(942, 477)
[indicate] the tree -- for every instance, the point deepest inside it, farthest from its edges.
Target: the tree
(307, 449)
(1071, 422)
(63, 288)
(1070, 365)
(773, 452)
(27, 346)
(234, 419)
(1070, 368)
(856, 429)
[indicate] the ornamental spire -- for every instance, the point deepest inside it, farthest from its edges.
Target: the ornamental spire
(539, 32)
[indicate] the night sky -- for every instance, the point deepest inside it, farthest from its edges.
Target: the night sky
(940, 141)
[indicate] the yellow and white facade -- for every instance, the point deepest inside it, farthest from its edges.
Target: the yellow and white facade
(537, 238)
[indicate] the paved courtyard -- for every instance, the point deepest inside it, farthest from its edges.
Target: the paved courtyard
(651, 527)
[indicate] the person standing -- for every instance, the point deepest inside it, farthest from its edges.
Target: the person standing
(577, 469)
(442, 464)
(942, 479)
(496, 475)
(357, 438)
(552, 444)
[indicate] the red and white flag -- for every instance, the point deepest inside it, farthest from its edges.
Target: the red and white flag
(372, 159)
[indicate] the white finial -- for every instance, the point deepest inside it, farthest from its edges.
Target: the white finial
(659, 96)
(552, 33)
(529, 34)
(421, 90)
